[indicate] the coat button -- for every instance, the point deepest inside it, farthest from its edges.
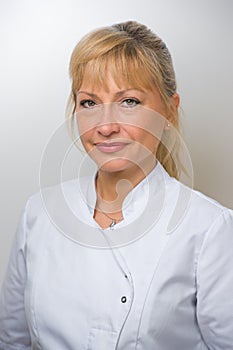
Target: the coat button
(123, 299)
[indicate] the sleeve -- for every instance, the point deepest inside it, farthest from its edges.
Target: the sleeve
(14, 332)
(215, 284)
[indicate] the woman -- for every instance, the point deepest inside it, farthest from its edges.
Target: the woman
(150, 266)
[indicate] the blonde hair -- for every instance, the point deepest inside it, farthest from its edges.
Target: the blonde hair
(135, 55)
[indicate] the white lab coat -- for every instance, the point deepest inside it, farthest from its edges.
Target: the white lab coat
(164, 288)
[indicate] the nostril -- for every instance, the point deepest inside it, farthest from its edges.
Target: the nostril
(108, 128)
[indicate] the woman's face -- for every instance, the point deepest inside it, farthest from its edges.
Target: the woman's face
(120, 127)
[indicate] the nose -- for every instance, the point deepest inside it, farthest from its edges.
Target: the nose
(108, 129)
(108, 123)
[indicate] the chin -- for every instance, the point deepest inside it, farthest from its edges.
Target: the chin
(116, 165)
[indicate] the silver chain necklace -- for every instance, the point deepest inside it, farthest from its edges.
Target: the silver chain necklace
(114, 221)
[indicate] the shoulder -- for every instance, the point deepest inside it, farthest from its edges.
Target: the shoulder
(197, 209)
(57, 198)
(217, 217)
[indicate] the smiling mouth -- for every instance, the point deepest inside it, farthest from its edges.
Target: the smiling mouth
(111, 147)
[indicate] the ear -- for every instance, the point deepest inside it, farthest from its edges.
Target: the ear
(175, 102)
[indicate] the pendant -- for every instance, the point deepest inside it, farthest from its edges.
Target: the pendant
(113, 223)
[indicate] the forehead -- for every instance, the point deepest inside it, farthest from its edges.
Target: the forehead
(109, 85)
(117, 74)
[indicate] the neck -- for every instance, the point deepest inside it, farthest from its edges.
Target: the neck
(112, 188)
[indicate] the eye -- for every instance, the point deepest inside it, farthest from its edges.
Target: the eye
(130, 102)
(87, 103)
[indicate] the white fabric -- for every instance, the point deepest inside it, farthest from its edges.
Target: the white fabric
(178, 280)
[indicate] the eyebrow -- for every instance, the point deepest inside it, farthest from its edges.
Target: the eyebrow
(117, 94)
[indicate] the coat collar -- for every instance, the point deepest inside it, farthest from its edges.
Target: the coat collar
(137, 199)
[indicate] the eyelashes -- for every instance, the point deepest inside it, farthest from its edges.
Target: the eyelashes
(87, 103)
(126, 103)
(130, 102)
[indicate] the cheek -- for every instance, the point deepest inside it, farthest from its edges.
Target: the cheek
(86, 140)
(85, 132)
(86, 123)
(147, 137)
(82, 129)
(149, 141)
(149, 124)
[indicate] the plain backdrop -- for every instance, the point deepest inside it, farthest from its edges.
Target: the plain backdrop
(37, 38)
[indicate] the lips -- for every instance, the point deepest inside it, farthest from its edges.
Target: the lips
(111, 147)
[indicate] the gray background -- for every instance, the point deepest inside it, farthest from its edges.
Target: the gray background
(37, 38)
